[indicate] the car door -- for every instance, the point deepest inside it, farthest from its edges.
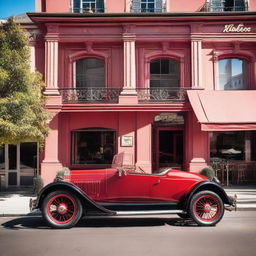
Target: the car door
(129, 187)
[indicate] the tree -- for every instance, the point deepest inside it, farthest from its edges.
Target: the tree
(22, 114)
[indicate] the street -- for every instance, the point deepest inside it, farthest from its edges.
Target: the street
(234, 235)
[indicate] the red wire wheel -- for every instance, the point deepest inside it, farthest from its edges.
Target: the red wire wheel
(62, 209)
(206, 208)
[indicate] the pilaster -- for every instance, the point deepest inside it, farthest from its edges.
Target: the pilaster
(196, 62)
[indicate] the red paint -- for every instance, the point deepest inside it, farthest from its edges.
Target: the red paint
(109, 185)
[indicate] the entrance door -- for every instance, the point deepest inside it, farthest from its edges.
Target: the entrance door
(20, 163)
(169, 151)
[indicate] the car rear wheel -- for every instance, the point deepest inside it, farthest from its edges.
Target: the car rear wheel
(61, 209)
(206, 208)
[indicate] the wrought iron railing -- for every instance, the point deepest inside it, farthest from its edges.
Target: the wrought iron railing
(209, 7)
(111, 95)
(88, 10)
(147, 10)
(89, 95)
(161, 94)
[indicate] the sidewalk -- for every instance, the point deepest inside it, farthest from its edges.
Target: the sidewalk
(17, 203)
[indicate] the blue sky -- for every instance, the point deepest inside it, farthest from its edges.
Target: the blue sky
(13, 7)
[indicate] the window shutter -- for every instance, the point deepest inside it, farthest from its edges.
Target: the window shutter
(100, 5)
(159, 6)
(136, 6)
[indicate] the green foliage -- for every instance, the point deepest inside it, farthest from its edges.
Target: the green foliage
(22, 114)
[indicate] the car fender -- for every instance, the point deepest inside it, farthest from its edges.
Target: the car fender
(206, 185)
(61, 185)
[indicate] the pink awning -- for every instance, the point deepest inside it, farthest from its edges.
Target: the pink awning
(224, 110)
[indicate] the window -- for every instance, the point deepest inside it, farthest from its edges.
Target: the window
(90, 72)
(227, 5)
(88, 6)
(147, 5)
(233, 145)
(93, 146)
(164, 73)
(232, 74)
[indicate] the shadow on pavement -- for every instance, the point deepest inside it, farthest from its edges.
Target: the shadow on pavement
(39, 223)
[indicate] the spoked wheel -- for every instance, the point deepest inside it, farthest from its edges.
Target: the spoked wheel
(61, 209)
(206, 208)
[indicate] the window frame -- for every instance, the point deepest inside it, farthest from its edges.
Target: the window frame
(245, 74)
(92, 129)
(90, 57)
(178, 73)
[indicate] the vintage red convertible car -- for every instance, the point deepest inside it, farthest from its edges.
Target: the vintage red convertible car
(114, 192)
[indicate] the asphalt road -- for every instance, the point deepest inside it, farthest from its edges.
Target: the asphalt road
(234, 235)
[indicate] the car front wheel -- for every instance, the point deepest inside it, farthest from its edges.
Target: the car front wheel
(61, 209)
(206, 208)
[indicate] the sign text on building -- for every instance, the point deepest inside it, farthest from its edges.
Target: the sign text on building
(236, 28)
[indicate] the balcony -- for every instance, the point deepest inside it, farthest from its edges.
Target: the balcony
(160, 95)
(95, 95)
(89, 95)
(222, 7)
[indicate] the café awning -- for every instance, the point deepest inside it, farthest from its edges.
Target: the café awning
(224, 110)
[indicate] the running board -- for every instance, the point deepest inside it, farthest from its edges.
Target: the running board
(128, 213)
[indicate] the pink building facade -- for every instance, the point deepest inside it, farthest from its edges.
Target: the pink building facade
(168, 83)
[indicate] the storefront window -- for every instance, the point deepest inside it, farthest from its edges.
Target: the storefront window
(94, 146)
(164, 73)
(233, 146)
(28, 155)
(12, 157)
(232, 74)
(90, 72)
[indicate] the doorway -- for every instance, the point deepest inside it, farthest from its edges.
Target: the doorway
(169, 144)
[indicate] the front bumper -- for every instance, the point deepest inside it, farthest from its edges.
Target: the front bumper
(232, 203)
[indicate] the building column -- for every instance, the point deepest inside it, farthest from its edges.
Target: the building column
(197, 145)
(196, 63)
(129, 63)
(143, 141)
(51, 67)
(51, 163)
(32, 59)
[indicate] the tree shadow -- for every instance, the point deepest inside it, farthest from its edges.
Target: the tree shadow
(37, 222)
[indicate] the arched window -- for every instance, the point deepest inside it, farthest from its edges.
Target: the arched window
(164, 73)
(232, 74)
(89, 72)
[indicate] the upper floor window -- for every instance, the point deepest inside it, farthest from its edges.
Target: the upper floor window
(227, 5)
(89, 72)
(164, 73)
(87, 6)
(232, 74)
(147, 5)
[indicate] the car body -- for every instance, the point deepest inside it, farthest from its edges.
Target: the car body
(114, 192)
